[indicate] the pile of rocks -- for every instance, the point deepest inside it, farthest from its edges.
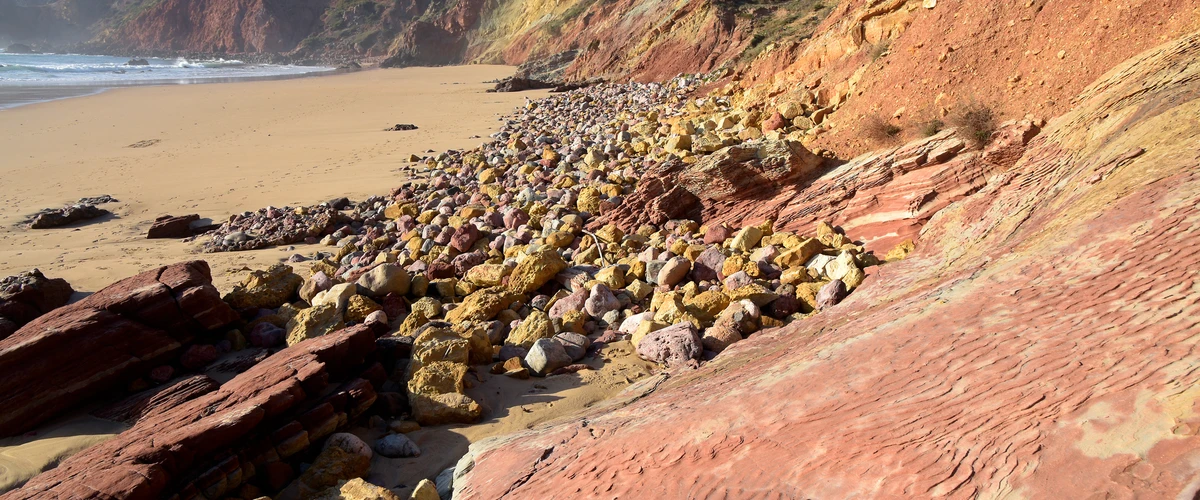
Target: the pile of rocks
(507, 252)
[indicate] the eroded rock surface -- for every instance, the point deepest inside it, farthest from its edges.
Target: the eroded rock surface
(247, 431)
(105, 340)
(1039, 340)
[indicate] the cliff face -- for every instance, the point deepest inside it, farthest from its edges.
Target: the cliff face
(1040, 342)
(219, 26)
(910, 62)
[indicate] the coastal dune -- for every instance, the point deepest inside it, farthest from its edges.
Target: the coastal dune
(216, 150)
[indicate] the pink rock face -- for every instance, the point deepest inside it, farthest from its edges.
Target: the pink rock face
(1041, 340)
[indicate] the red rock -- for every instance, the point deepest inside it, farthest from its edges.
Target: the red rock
(717, 233)
(198, 356)
(104, 341)
(657, 199)
(26, 296)
(831, 294)
(774, 122)
(464, 237)
(217, 441)
(169, 226)
(1041, 339)
(159, 399)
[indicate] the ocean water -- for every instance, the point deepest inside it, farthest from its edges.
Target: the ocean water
(28, 78)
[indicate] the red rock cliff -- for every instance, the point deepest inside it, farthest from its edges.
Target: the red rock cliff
(1041, 342)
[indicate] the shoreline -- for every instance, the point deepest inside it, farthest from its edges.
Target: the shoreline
(219, 150)
(11, 93)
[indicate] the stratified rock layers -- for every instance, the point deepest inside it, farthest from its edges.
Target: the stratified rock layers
(1040, 341)
(107, 339)
(239, 433)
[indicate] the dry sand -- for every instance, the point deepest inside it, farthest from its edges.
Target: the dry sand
(221, 149)
(226, 148)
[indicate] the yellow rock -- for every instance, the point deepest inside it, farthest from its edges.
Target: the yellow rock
(707, 305)
(679, 247)
(427, 216)
(800, 254)
(482, 305)
(795, 275)
(536, 326)
(589, 200)
(487, 274)
(643, 329)
(560, 239)
(754, 292)
(746, 239)
(535, 270)
(610, 234)
(613, 276)
(733, 264)
(900, 251)
(637, 270)
(428, 305)
(414, 321)
(639, 289)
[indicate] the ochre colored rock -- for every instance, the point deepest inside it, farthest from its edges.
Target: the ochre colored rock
(748, 171)
(356, 489)
(534, 270)
(265, 289)
(482, 305)
(313, 322)
(536, 326)
(344, 457)
(359, 307)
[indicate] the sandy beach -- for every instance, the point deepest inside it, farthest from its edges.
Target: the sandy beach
(225, 148)
(216, 150)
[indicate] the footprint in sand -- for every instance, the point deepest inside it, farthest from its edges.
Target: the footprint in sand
(144, 144)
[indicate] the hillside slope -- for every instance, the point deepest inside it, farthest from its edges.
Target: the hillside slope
(1041, 342)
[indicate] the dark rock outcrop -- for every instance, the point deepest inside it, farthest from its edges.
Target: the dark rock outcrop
(104, 341)
(157, 400)
(67, 215)
(26, 296)
(19, 48)
(169, 226)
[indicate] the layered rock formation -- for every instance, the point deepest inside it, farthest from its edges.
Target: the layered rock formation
(1040, 340)
(245, 432)
(104, 341)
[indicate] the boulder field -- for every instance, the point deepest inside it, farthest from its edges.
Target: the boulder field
(1039, 342)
